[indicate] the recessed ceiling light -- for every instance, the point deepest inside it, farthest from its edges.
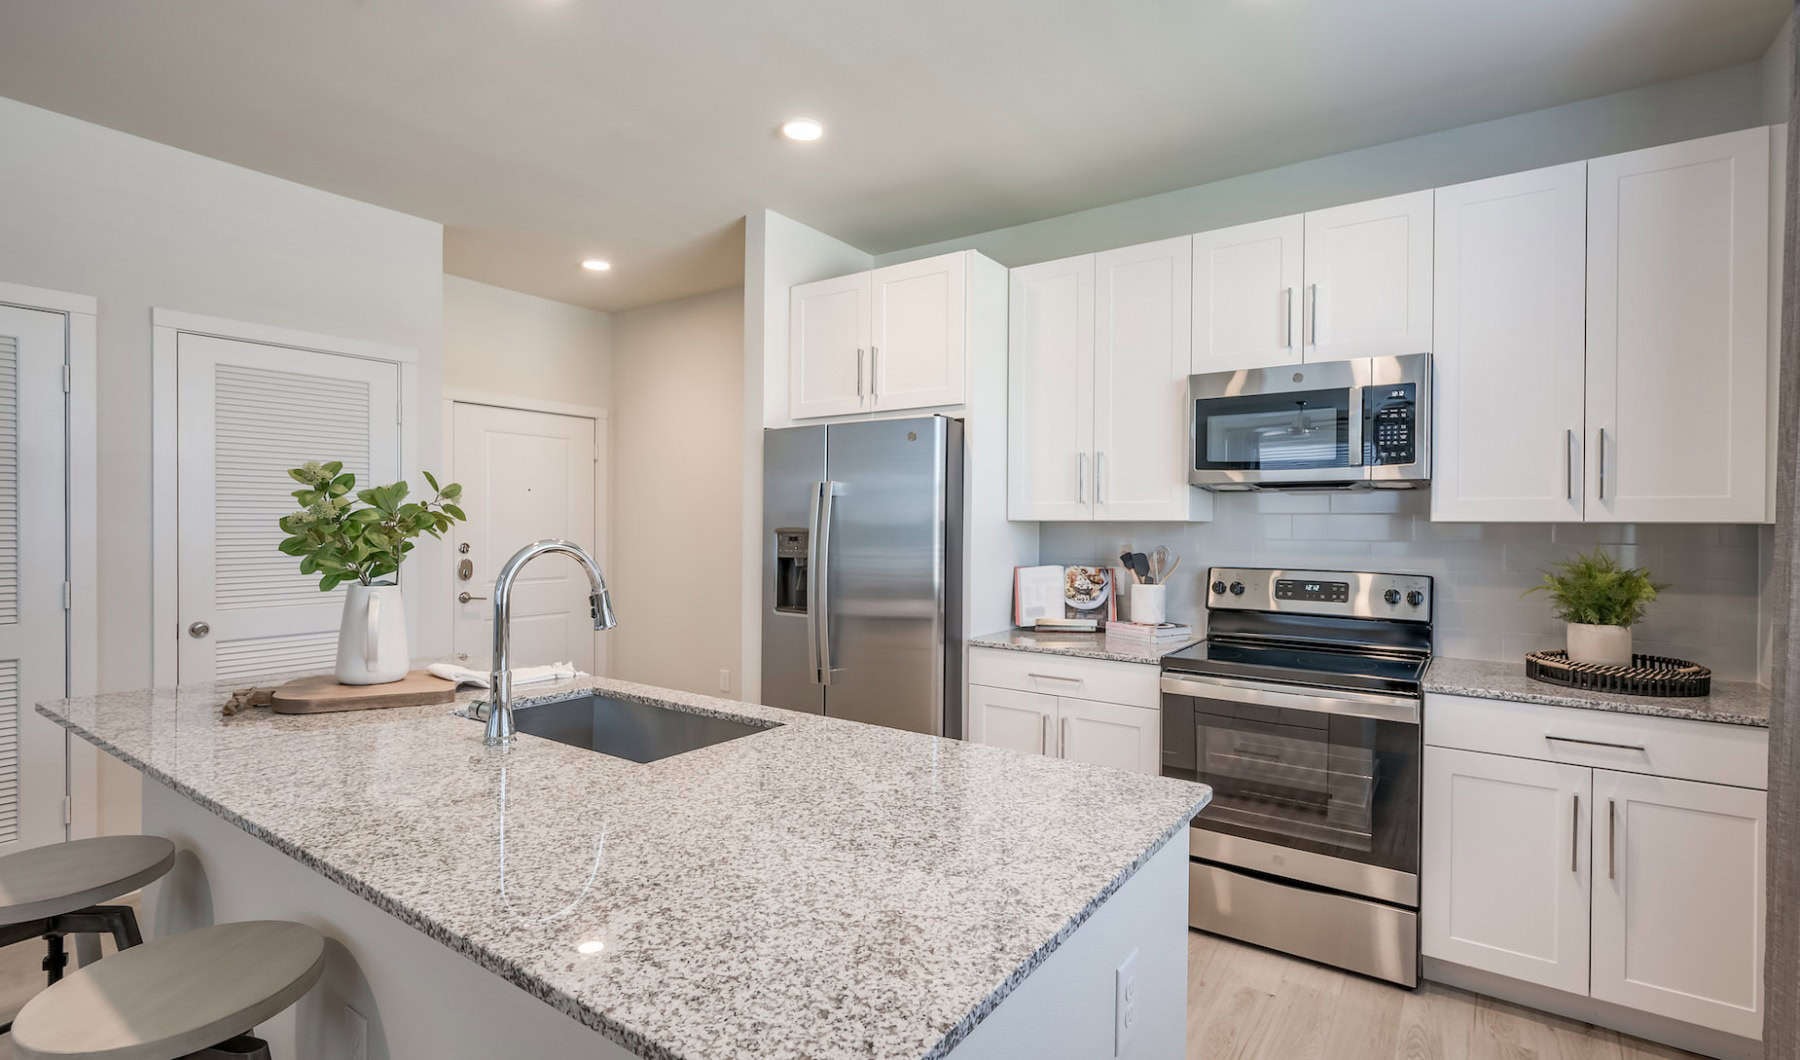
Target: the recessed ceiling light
(596, 265)
(802, 129)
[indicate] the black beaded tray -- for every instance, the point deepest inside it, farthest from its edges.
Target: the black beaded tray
(1648, 675)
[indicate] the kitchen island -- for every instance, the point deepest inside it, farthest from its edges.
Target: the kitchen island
(819, 888)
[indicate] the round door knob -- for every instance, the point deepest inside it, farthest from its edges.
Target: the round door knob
(1237, 588)
(1218, 588)
(199, 630)
(1392, 596)
(1415, 598)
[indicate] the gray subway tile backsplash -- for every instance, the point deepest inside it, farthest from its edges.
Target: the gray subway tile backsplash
(1712, 611)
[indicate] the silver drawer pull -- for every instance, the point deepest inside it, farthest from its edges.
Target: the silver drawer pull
(1055, 677)
(1638, 747)
(1575, 836)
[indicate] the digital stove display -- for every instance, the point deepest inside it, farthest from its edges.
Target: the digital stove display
(1322, 592)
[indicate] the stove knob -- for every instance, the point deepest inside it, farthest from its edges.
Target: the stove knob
(1218, 588)
(1237, 588)
(1415, 598)
(1392, 596)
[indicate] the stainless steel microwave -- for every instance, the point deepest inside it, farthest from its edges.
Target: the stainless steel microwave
(1332, 425)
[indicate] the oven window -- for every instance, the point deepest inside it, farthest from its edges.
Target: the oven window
(1300, 430)
(1346, 787)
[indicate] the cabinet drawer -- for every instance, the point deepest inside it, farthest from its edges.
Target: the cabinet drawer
(1631, 743)
(1133, 684)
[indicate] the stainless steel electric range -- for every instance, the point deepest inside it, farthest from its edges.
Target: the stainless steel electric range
(1301, 709)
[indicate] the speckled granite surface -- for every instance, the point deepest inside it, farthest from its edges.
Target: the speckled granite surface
(1731, 702)
(1083, 645)
(820, 889)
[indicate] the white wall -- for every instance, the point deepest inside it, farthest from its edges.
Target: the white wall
(503, 344)
(141, 225)
(677, 464)
(778, 253)
(1778, 74)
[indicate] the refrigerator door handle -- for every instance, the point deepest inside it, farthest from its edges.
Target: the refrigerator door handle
(818, 584)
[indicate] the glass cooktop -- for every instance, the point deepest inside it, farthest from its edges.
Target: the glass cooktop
(1300, 665)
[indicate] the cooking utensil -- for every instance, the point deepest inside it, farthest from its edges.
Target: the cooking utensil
(1140, 564)
(1171, 569)
(1159, 564)
(1125, 561)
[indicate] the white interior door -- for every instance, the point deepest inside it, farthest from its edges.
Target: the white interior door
(33, 566)
(525, 476)
(246, 412)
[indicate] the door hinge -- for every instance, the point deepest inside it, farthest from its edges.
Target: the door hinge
(68, 810)
(68, 378)
(68, 596)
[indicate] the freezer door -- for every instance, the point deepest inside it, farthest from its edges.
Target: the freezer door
(885, 586)
(793, 467)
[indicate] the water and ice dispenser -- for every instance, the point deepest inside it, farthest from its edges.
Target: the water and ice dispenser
(791, 545)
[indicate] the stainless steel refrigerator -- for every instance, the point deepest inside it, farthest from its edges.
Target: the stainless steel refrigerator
(862, 572)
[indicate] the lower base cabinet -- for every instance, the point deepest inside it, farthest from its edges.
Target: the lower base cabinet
(1081, 730)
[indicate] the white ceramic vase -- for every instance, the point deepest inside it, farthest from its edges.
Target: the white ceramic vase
(1149, 604)
(1600, 645)
(372, 636)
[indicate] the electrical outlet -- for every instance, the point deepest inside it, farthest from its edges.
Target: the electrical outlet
(1125, 990)
(724, 680)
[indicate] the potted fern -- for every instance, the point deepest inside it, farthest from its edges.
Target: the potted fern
(1600, 600)
(364, 547)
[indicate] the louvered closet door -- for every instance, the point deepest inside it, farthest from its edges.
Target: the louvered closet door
(33, 503)
(247, 413)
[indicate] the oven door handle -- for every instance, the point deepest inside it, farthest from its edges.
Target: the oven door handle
(1370, 705)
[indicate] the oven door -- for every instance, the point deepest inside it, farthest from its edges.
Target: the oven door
(1292, 425)
(1310, 784)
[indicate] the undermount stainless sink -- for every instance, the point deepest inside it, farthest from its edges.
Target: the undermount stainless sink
(622, 728)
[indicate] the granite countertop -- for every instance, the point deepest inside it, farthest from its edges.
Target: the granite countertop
(1731, 702)
(822, 888)
(1082, 645)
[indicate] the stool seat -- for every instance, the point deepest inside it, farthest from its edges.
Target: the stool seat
(173, 996)
(64, 877)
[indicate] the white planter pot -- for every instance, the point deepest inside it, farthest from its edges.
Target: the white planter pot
(372, 636)
(1600, 645)
(1149, 604)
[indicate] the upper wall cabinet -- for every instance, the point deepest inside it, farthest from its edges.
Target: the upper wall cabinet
(1509, 338)
(1247, 282)
(1097, 368)
(1368, 279)
(893, 338)
(1678, 332)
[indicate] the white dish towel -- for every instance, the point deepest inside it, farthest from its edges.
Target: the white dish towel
(524, 675)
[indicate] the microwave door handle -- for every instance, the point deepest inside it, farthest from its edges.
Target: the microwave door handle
(1355, 413)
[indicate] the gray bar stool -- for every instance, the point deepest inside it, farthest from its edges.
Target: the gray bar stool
(52, 891)
(197, 994)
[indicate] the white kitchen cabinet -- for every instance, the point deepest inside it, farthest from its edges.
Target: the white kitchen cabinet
(1110, 734)
(1509, 344)
(917, 337)
(1678, 899)
(1506, 862)
(1678, 291)
(1009, 718)
(1368, 279)
(828, 346)
(1097, 373)
(1050, 363)
(1247, 282)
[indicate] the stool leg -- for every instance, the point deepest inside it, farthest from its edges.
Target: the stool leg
(55, 960)
(243, 1047)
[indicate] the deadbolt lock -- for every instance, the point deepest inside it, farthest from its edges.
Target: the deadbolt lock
(465, 569)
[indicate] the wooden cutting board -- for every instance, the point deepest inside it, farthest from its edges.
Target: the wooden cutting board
(323, 694)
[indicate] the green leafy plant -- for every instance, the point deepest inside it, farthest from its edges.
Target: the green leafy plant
(1595, 590)
(339, 541)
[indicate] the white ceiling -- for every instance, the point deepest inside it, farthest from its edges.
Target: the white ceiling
(544, 131)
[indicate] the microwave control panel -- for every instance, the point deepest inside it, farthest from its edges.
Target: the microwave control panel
(1390, 424)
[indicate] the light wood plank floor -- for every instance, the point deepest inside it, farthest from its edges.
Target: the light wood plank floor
(1246, 1003)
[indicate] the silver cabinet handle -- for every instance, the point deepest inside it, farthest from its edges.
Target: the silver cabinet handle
(1080, 478)
(199, 630)
(1575, 835)
(1612, 833)
(874, 373)
(859, 370)
(1044, 737)
(1596, 743)
(1602, 463)
(1099, 477)
(463, 598)
(1054, 677)
(1312, 314)
(1287, 318)
(1569, 464)
(1062, 740)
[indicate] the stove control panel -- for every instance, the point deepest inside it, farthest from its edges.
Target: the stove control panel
(1354, 594)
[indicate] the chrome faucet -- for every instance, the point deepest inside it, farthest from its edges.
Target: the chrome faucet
(500, 711)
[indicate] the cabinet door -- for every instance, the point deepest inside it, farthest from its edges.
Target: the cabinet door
(1678, 899)
(1005, 717)
(1509, 329)
(1368, 279)
(828, 336)
(1142, 297)
(1050, 376)
(1247, 295)
(1677, 332)
(1506, 863)
(918, 336)
(1110, 734)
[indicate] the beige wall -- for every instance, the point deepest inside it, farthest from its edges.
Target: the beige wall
(502, 343)
(677, 484)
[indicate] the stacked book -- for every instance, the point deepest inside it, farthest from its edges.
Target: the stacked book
(1141, 637)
